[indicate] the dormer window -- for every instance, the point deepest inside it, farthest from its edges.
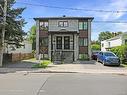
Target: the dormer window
(63, 23)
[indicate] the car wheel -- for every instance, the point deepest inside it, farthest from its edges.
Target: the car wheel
(118, 65)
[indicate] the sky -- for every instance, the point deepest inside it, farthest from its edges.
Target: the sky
(114, 5)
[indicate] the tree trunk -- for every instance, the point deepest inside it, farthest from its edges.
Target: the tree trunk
(1, 58)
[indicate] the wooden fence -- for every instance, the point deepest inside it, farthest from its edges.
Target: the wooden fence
(13, 57)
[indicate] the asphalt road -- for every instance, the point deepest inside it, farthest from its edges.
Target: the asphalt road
(62, 84)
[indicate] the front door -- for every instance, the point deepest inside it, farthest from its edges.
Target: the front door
(66, 42)
(63, 49)
(59, 42)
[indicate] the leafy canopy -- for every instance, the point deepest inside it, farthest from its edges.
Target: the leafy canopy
(107, 35)
(14, 33)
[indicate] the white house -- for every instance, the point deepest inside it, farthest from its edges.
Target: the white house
(25, 48)
(113, 42)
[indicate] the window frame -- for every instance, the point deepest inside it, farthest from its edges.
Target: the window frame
(84, 25)
(58, 44)
(84, 43)
(63, 24)
(44, 25)
(41, 43)
(67, 44)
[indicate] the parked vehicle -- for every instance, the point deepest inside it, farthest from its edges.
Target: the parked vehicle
(108, 58)
(94, 55)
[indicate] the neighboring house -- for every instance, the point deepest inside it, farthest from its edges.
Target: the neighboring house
(66, 37)
(25, 48)
(113, 42)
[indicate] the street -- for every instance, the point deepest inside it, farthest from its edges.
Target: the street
(22, 83)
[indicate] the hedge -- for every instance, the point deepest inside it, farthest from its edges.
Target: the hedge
(121, 52)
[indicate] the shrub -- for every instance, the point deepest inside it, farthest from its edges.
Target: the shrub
(95, 47)
(120, 51)
(83, 57)
(42, 64)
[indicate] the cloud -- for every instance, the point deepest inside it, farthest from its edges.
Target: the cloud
(114, 5)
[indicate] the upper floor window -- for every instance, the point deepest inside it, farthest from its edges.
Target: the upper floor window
(102, 44)
(83, 42)
(43, 41)
(63, 23)
(125, 41)
(109, 44)
(43, 25)
(82, 25)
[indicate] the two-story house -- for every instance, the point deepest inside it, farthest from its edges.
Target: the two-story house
(66, 37)
(113, 42)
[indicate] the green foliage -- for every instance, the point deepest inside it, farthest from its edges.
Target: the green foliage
(83, 57)
(107, 35)
(120, 51)
(95, 47)
(95, 42)
(32, 36)
(15, 22)
(42, 64)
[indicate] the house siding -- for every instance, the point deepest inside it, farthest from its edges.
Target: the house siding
(83, 49)
(43, 34)
(113, 43)
(83, 33)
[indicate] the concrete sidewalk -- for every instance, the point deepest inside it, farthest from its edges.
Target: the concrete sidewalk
(83, 67)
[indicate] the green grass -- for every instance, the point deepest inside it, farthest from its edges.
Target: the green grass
(42, 64)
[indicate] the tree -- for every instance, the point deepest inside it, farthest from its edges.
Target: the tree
(95, 47)
(32, 36)
(14, 33)
(14, 23)
(107, 35)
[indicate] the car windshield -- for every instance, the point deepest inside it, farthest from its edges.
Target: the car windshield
(95, 52)
(109, 54)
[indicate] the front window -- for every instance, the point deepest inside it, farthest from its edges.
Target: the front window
(83, 42)
(82, 25)
(102, 44)
(59, 42)
(44, 41)
(125, 41)
(67, 42)
(43, 25)
(109, 44)
(63, 23)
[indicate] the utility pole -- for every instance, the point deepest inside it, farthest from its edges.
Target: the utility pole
(3, 32)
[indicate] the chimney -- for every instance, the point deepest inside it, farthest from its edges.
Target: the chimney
(64, 15)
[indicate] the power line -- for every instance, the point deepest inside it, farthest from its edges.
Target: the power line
(76, 9)
(110, 21)
(101, 21)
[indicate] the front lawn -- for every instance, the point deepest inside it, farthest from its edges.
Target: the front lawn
(42, 64)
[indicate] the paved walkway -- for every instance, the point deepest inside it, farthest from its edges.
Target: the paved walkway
(82, 67)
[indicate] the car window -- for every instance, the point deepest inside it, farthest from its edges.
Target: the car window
(109, 54)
